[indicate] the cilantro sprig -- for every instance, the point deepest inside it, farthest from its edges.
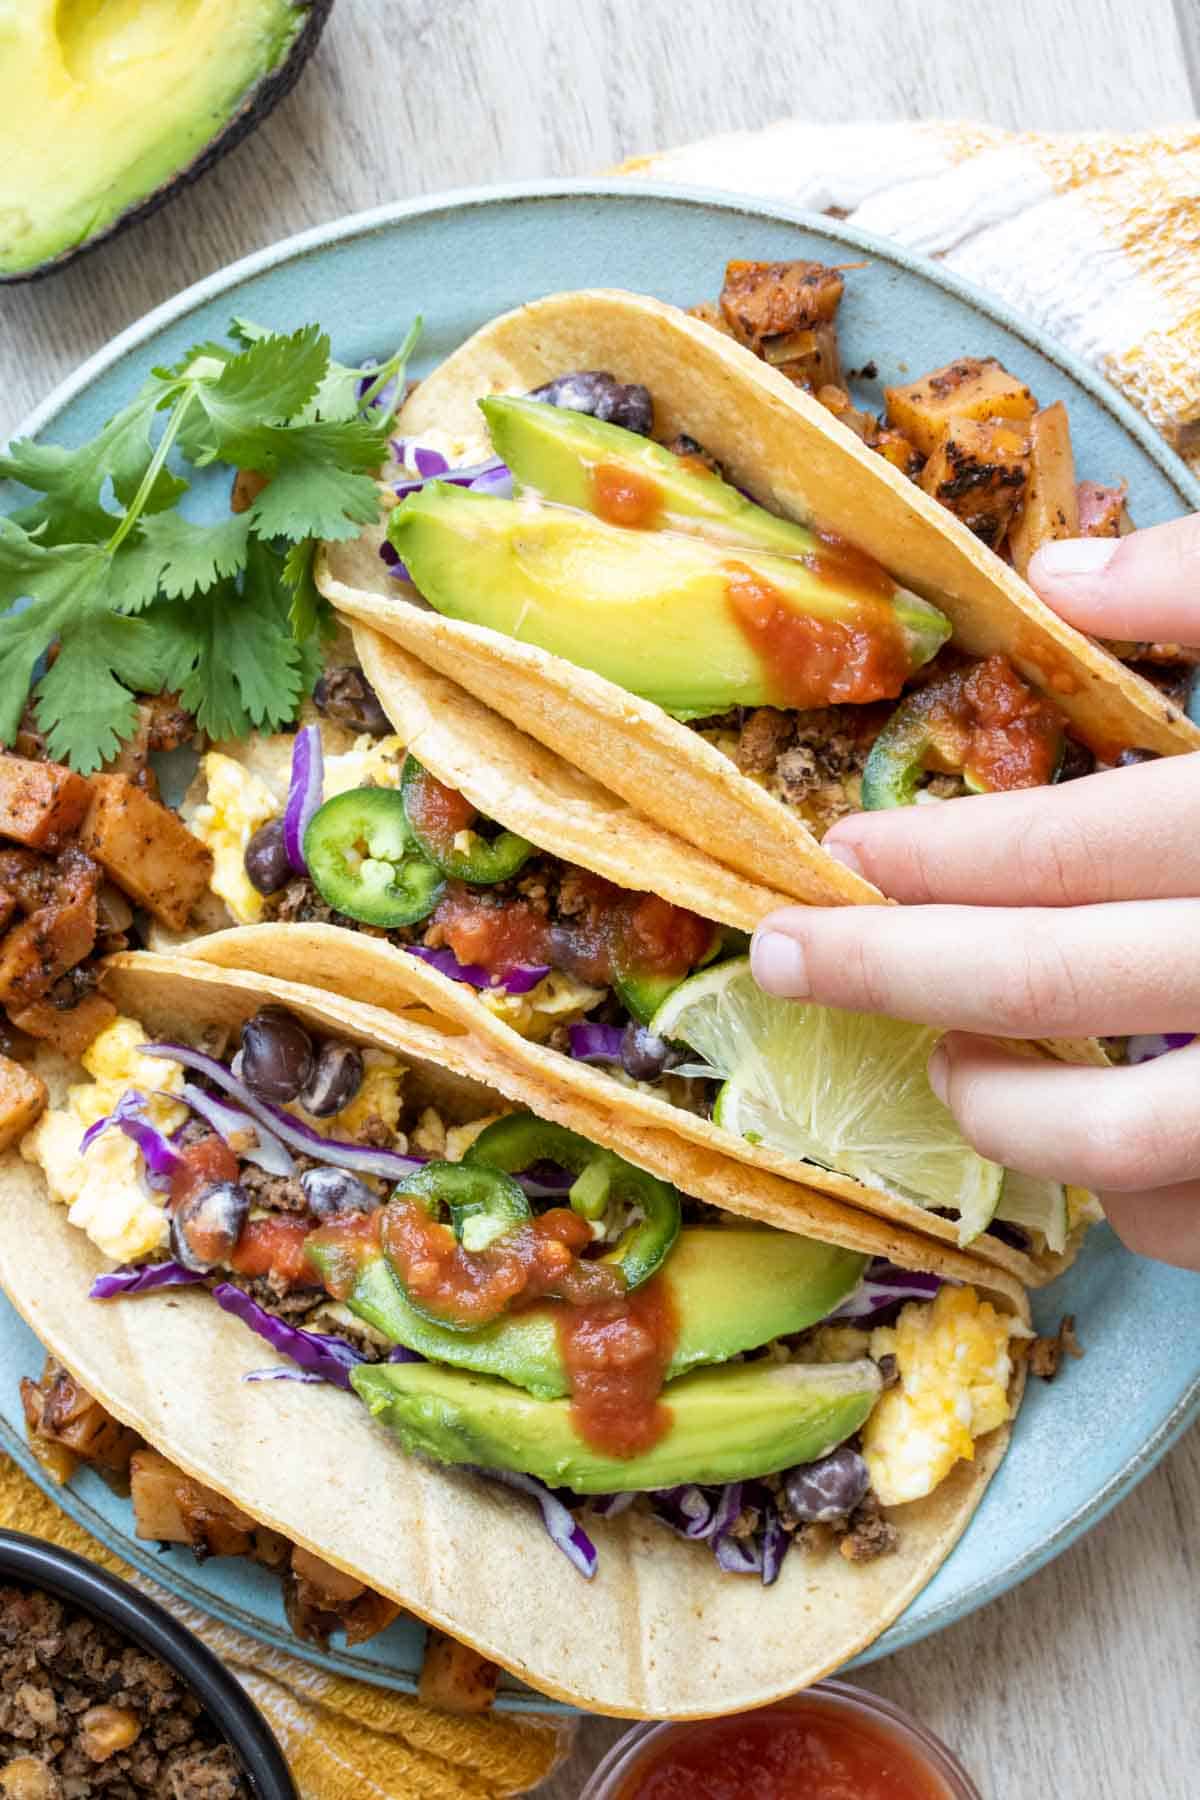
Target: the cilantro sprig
(136, 597)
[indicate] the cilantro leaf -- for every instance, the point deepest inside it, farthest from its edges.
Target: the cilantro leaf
(84, 701)
(46, 589)
(319, 484)
(173, 556)
(271, 380)
(74, 482)
(307, 607)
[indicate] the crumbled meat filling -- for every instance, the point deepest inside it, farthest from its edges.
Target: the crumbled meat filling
(868, 1534)
(1046, 1353)
(85, 1712)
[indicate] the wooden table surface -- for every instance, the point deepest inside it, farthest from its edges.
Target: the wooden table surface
(1082, 1684)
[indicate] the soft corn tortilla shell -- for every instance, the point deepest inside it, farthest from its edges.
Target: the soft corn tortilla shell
(658, 1632)
(793, 456)
(361, 968)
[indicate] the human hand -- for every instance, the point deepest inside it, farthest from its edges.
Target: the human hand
(1051, 912)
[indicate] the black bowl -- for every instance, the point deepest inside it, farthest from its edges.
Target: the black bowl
(33, 1563)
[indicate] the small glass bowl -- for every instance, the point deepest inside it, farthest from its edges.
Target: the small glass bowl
(644, 1741)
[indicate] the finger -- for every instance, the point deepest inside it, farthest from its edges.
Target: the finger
(1128, 834)
(1012, 972)
(1163, 1223)
(1146, 585)
(1113, 1130)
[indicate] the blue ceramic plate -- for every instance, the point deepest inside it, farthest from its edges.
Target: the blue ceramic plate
(1080, 1445)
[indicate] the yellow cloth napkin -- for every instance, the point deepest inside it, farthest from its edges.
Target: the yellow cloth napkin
(1093, 235)
(344, 1740)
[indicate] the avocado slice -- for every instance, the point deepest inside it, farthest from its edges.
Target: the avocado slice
(727, 1424)
(733, 1289)
(110, 109)
(653, 611)
(577, 460)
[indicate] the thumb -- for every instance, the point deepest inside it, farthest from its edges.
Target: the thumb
(1145, 586)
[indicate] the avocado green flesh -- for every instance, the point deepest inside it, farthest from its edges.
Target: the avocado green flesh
(104, 103)
(555, 452)
(727, 1424)
(649, 610)
(732, 1290)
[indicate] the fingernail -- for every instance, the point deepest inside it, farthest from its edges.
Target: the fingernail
(844, 853)
(938, 1071)
(1076, 556)
(779, 965)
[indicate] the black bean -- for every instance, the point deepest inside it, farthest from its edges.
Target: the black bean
(829, 1488)
(276, 1055)
(1129, 759)
(596, 392)
(331, 1192)
(645, 1056)
(266, 859)
(345, 694)
(336, 1078)
(206, 1227)
(1077, 760)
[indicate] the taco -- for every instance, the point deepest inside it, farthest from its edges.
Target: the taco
(519, 899)
(744, 608)
(676, 1413)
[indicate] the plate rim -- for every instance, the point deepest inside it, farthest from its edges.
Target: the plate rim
(376, 221)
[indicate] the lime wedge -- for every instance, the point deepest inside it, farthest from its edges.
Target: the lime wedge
(847, 1091)
(1037, 1205)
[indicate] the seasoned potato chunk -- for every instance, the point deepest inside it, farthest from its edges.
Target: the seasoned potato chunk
(1050, 506)
(69, 1029)
(764, 302)
(146, 849)
(978, 471)
(41, 803)
(900, 451)
(974, 387)
(52, 939)
(1101, 509)
(455, 1678)
(22, 1100)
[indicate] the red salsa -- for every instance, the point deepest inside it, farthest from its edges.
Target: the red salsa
(811, 1750)
(274, 1246)
(997, 727)
(617, 1353)
(625, 496)
(610, 929)
(442, 812)
(819, 662)
(202, 1164)
(468, 1288)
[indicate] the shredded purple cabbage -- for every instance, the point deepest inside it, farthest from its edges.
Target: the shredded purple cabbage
(308, 1376)
(708, 1515)
(128, 1115)
(250, 1140)
(332, 1358)
(360, 1159)
(565, 1531)
(517, 980)
(1146, 1046)
(595, 1043)
(882, 1287)
(120, 1282)
(304, 793)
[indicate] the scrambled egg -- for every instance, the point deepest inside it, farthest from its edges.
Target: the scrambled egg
(558, 999)
(955, 1369)
(238, 804)
(370, 762)
(448, 1143)
(105, 1187)
(378, 1097)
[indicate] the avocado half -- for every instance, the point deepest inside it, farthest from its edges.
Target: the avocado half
(112, 109)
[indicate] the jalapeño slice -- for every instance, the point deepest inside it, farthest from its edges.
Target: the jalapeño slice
(606, 1187)
(439, 817)
(363, 860)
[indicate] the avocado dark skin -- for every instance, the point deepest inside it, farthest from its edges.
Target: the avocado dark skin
(255, 105)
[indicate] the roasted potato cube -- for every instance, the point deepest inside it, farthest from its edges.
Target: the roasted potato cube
(22, 1099)
(761, 301)
(1101, 508)
(155, 1486)
(837, 401)
(455, 1678)
(59, 1411)
(53, 939)
(28, 878)
(978, 471)
(146, 849)
(1049, 507)
(70, 1029)
(900, 451)
(974, 387)
(41, 803)
(810, 358)
(332, 1587)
